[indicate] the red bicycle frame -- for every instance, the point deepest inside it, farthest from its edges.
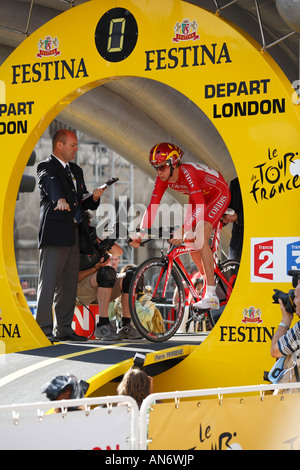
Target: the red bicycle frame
(173, 257)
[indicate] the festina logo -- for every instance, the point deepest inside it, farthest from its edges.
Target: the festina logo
(9, 331)
(187, 56)
(48, 47)
(250, 334)
(186, 30)
(48, 71)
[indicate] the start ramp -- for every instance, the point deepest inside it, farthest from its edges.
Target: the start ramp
(248, 100)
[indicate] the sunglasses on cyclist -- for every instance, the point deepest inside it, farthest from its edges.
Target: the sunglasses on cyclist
(161, 167)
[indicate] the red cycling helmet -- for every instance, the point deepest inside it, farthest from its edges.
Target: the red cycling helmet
(165, 153)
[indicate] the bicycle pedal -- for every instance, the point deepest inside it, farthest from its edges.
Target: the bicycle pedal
(199, 316)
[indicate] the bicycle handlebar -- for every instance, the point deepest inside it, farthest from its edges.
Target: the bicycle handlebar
(161, 232)
(165, 232)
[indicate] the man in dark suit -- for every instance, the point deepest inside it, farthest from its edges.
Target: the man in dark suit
(237, 219)
(62, 225)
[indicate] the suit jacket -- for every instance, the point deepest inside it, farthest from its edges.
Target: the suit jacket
(57, 228)
(237, 234)
(236, 201)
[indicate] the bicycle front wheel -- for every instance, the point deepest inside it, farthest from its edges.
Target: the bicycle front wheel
(156, 300)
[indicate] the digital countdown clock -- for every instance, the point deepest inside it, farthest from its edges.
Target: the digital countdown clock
(116, 35)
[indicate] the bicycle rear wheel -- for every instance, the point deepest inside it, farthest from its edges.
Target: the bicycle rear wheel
(157, 315)
(229, 269)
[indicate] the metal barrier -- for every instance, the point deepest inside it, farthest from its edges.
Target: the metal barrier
(172, 433)
(220, 418)
(99, 425)
(32, 281)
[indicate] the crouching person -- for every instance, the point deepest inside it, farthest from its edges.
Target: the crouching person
(101, 284)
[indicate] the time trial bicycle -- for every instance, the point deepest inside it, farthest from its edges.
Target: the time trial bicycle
(166, 279)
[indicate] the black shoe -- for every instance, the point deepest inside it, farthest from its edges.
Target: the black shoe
(72, 337)
(52, 338)
(129, 332)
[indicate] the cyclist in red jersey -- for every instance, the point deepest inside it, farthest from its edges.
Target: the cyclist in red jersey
(209, 197)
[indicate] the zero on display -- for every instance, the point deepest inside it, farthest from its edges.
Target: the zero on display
(116, 35)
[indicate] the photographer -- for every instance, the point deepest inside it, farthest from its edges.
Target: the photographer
(99, 283)
(286, 341)
(65, 387)
(136, 383)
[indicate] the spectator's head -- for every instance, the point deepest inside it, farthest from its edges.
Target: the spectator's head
(114, 261)
(24, 283)
(198, 284)
(136, 384)
(65, 387)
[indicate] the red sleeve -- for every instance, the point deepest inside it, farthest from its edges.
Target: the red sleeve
(158, 192)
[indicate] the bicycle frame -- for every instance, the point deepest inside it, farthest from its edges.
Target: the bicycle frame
(169, 278)
(173, 258)
(215, 248)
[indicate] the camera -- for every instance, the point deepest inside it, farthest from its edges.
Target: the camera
(287, 299)
(139, 360)
(101, 246)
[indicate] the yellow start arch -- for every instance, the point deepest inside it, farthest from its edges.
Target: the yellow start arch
(241, 90)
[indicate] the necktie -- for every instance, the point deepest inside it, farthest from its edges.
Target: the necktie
(68, 171)
(78, 217)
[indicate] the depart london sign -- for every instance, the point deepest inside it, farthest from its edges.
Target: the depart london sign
(218, 68)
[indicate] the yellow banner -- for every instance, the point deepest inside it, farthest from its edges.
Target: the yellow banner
(250, 423)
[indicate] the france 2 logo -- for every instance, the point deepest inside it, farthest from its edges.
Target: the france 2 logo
(264, 260)
(272, 258)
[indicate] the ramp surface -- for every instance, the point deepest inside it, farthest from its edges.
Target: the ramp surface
(22, 374)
